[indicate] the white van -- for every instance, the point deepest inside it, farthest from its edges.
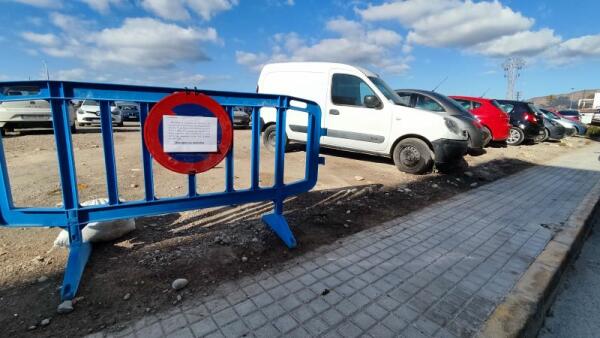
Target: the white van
(361, 114)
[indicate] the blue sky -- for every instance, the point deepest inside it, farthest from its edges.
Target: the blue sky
(221, 44)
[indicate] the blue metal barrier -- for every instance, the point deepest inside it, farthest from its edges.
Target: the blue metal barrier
(73, 217)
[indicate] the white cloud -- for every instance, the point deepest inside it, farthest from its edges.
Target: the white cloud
(178, 9)
(138, 43)
(75, 74)
(148, 42)
(355, 45)
(102, 6)
(467, 24)
(526, 43)
(40, 3)
(41, 39)
(66, 22)
(587, 46)
(406, 12)
(254, 61)
(167, 9)
(485, 27)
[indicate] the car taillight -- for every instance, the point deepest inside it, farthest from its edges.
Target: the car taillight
(529, 117)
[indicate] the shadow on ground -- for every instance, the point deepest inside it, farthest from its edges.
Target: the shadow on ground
(207, 247)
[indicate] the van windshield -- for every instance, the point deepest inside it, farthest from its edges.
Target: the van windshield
(386, 90)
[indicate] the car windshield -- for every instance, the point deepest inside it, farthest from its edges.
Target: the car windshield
(535, 109)
(386, 90)
(497, 105)
(459, 107)
(20, 91)
(569, 112)
(551, 114)
(90, 103)
(95, 103)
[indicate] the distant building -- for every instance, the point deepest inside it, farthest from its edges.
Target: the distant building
(589, 103)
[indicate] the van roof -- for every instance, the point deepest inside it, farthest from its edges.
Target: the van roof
(314, 66)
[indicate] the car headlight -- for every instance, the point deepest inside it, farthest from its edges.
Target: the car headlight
(452, 126)
(80, 111)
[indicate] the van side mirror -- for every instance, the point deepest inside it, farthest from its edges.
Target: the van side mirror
(371, 101)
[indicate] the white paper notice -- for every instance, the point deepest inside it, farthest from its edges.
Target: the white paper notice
(189, 134)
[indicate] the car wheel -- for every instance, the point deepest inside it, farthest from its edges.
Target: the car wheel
(120, 124)
(74, 128)
(515, 137)
(3, 131)
(489, 139)
(412, 156)
(270, 138)
(545, 136)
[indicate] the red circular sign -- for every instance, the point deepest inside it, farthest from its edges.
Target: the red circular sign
(190, 104)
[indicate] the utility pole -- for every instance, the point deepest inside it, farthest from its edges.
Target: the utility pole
(46, 70)
(512, 70)
(571, 99)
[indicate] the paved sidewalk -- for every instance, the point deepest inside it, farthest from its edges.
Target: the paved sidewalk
(438, 272)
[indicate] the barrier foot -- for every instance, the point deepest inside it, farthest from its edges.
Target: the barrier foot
(78, 257)
(279, 225)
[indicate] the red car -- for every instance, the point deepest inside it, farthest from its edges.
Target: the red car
(570, 114)
(489, 113)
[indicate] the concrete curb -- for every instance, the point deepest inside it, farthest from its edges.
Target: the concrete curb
(523, 311)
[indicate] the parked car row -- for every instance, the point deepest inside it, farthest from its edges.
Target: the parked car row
(37, 113)
(416, 128)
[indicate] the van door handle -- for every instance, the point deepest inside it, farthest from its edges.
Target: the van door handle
(334, 112)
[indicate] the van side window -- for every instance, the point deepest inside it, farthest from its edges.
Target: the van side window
(349, 90)
(426, 103)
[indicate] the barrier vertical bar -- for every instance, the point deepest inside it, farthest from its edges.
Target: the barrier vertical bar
(255, 148)
(109, 153)
(64, 146)
(146, 159)
(79, 251)
(280, 146)
(275, 220)
(6, 202)
(192, 185)
(229, 158)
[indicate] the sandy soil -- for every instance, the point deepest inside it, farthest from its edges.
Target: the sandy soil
(354, 192)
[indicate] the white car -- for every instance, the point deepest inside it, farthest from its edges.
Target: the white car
(89, 113)
(361, 114)
(28, 113)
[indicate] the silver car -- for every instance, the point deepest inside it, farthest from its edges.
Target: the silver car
(28, 113)
(572, 127)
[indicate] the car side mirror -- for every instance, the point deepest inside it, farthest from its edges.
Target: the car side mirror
(372, 101)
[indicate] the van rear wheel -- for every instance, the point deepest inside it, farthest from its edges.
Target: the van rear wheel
(412, 156)
(270, 138)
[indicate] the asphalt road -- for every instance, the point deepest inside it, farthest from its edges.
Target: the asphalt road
(576, 311)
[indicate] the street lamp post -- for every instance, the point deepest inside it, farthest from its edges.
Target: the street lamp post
(571, 99)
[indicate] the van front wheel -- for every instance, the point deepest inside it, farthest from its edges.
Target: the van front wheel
(413, 156)
(270, 138)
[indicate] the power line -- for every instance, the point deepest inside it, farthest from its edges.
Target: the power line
(512, 70)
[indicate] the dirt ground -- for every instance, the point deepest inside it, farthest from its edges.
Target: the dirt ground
(354, 192)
